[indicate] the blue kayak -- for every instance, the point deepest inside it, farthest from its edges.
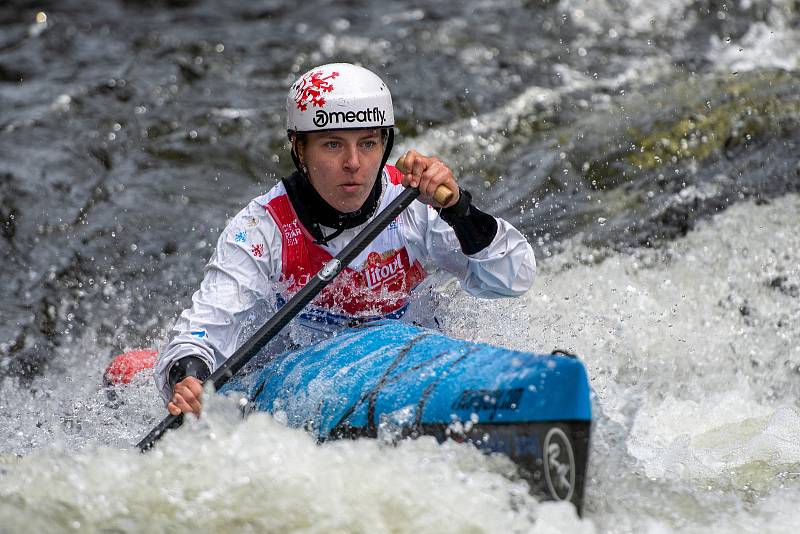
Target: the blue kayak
(413, 381)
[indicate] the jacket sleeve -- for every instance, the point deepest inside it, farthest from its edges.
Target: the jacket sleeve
(504, 268)
(237, 278)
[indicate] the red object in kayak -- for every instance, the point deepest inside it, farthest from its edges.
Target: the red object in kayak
(124, 367)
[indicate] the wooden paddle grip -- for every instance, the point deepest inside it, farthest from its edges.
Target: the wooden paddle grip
(442, 196)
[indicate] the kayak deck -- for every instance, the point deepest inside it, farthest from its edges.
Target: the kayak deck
(387, 374)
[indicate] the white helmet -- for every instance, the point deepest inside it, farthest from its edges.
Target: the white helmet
(338, 96)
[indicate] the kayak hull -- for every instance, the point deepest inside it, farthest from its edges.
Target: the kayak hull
(397, 380)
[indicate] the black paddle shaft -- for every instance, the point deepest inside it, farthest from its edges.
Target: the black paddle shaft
(293, 307)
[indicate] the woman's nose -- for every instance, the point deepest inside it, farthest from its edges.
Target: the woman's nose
(351, 162)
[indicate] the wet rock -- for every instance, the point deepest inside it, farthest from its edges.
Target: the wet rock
(8, 226)
(170, 247)
(8, 209)
(10, 74)
(191, 70)
(741, 306)
(783, 284)
(26, 364)
(119, 88)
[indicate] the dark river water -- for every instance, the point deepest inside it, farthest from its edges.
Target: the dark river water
(648, 150)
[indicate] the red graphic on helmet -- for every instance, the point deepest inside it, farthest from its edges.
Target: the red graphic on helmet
(311, 87)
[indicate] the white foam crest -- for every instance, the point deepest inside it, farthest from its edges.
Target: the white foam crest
(710, 440)
(219, 474)
(630, 16)
(776, 515)
(480, 138)
(763, 46)
(68, 407)
(706, 304)
(693, 352)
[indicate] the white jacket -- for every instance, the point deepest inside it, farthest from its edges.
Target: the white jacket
(243, 277)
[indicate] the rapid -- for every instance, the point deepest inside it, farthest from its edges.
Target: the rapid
(648, 151)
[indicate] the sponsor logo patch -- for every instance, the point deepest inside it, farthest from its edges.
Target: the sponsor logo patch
(324, 118)
(258, 250)
(291, 232)
(380, 270)
(241, 237)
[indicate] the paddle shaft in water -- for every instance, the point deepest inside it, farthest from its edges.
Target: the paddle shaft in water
(295, 305)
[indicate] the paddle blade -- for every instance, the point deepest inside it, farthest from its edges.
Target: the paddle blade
(124, 367)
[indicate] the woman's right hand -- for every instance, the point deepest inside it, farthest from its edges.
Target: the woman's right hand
(186, 397)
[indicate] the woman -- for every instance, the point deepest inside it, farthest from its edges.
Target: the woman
(340, 122)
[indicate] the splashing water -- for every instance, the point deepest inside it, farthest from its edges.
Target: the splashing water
(563, 117)
(693, 361)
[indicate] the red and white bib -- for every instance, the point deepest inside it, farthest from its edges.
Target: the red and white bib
(379, 287)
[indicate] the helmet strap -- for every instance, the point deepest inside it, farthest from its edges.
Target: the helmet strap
(295, 158)
(387, 150)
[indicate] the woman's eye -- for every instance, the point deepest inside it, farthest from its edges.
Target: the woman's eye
(368, 144)
(332, 144)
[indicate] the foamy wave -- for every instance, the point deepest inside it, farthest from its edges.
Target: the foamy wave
(261, 476)
(763, 46)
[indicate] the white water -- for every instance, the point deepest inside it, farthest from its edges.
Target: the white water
(693, 356)
(692, 353)
(772, 43)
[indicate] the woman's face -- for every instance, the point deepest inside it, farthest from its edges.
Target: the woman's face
(342, 165)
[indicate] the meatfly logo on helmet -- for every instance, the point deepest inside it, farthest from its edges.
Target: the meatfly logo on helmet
(311, 87)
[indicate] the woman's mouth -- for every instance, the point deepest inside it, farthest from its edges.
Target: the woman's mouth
(350, 187)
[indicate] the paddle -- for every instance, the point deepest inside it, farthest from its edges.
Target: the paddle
(295, 305)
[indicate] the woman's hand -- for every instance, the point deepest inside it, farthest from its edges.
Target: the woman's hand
(186, 397)
(427, 174)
